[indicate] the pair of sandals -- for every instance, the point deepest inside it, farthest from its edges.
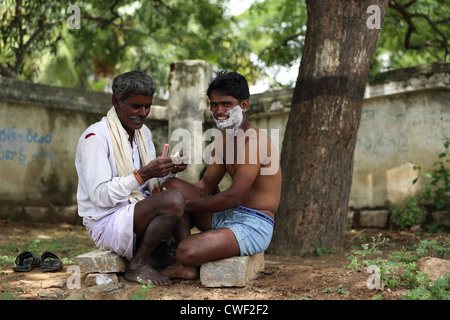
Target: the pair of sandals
(49, 262)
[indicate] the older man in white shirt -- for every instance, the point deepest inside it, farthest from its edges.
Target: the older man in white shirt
(119, 175)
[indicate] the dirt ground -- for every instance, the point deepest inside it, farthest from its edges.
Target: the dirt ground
(284, 278)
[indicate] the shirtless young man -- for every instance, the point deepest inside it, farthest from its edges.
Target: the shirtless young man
(239, 220)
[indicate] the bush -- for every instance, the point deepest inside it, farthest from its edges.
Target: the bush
(438, 190)
(407, 214)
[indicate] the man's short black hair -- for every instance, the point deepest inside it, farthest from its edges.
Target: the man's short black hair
(230, 84)
(133, 82)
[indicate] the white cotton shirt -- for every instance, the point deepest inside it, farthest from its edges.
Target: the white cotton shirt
(100, 190)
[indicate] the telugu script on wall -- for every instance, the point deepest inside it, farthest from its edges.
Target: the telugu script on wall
(25, 146)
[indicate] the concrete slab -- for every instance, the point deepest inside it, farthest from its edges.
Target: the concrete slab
(231, 272)
(100, 261)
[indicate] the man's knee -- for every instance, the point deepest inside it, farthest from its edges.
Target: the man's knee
(187, 255)
(171, 183)
(174, 202)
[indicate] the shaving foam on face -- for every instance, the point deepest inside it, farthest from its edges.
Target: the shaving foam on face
(234, 121)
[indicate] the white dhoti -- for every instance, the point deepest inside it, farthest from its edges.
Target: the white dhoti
(114, 232)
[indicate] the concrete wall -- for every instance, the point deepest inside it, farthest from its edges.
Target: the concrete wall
(400, 126)
(404, 119)
(39, 131)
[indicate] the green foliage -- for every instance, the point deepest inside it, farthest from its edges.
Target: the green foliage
(400, 268)
(117, 36)
(114, 37)
(407, 214)
(368, 250)
(436, 227)
(168, 31)
(436, 193)
(440, 290)
(66, 248)
(438, 189)
(434, 248)
(401, 46)
(276, 32)
(146, 292)
(387, 268)
(322, 251)
(19, 46)
(341, 289)
(7, 293)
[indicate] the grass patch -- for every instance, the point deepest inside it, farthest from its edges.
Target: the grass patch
(65, 247)
(399, 269)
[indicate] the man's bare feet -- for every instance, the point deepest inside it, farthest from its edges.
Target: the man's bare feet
(177, 271)
(161, 257)
(146, 273)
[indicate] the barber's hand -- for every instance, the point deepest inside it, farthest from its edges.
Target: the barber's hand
(157, 168)
(180, 162)
(157, 188)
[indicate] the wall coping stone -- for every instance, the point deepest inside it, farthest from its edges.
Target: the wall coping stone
(18, 91)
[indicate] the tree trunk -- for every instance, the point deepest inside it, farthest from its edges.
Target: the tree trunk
(319, 143)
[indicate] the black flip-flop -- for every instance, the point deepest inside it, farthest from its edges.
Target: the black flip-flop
(25, 262)
(50, 262)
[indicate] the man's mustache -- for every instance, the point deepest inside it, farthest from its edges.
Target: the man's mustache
(139, 118)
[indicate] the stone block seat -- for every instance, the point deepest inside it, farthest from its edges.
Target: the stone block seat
(229, 272)
(100, 261)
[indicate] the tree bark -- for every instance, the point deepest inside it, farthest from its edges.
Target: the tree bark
(320, 137)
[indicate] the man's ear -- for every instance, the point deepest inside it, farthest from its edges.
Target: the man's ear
(245, 104)
(115, 101)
